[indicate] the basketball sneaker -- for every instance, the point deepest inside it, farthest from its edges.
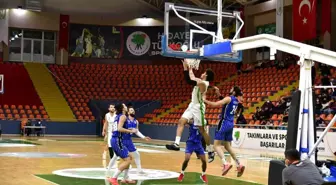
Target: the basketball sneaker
(211, 157)
(204, 178)
(125, 181)
(113, 181)
(240, 170)
(226, 169)
(174, 146)
(180, 178)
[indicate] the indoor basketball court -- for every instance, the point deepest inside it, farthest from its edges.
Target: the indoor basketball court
(54, 160)
(78, 160)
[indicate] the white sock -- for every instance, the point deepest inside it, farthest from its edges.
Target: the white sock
(209, 148)
(126, 174)
(177, 140)
(203, 173)
(182, 172)
(224, 161)
(137, 159)
(110, 165)
(116, 174)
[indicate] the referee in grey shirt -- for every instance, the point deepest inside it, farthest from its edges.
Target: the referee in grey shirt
(300, 172)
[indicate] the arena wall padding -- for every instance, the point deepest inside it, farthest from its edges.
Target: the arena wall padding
(275, 172)
(54, 128)
(293, 119)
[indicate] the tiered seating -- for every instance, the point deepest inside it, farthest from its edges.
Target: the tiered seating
(20, 111)
(20, 99)
(81, 82)
(256, 85)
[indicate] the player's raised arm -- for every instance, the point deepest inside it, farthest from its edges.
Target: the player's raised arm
(224, 101)
(186, 74)
(121, 123)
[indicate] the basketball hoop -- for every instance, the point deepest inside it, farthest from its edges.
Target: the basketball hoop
(193, 63)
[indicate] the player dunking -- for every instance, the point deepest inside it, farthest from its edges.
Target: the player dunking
(131, 123)
(107, 131)
(225, 129)
(118, 131)
(196, 108)
(194, 144)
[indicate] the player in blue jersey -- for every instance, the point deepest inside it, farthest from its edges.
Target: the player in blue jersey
(224, 130)
(132, 123)
(194, 144)
(118, 130)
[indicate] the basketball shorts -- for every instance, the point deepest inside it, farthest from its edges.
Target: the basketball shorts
(224, 131)
(194, 147)
(128, 143)
(119, 149)
(195, 112)
(109, 137)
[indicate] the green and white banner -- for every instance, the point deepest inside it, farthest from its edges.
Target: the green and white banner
(275, 140)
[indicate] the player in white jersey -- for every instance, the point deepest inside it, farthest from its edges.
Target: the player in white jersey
(107, 132)
(196, 108)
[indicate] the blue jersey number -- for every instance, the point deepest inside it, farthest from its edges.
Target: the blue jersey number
(234, 108)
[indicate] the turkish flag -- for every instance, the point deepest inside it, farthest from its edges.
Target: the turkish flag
(326, 16)
(304, 20)
(63, 39)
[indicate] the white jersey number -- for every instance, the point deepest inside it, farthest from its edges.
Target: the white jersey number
(234, 108)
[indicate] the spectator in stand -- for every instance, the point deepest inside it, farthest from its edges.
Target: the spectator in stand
(324, 98)
(319, 122)
(267, 109)
(0, 132)
(257, 114)
(23, 124)
(318, 106)
(280, 107)
(329, 108)
(325, 70)
(300, 172)
(325, 81)
(38, 130)
(284, 121)
(29, 130)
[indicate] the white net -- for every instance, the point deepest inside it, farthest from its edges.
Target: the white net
(193, 63)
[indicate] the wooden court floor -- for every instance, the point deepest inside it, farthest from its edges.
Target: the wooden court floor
(21, 171)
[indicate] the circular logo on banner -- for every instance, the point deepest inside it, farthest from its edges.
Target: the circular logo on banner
(99, 173)
(138, 43)
(237, 138)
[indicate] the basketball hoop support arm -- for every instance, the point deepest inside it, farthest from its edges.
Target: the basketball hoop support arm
(306, 134)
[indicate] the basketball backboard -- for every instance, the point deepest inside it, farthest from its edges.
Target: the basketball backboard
(200, 27)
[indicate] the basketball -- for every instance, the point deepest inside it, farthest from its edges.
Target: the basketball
(184, 48)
